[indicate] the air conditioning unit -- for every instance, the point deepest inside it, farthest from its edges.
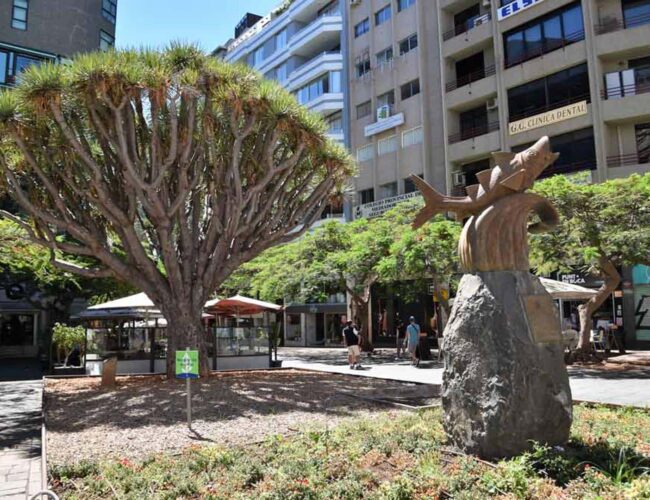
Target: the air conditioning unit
(492, 104)
(487, 4)
(383, 112)
(480, 20)
(458, 178)
(354, 2)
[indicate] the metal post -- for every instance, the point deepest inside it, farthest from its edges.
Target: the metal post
(189, 402)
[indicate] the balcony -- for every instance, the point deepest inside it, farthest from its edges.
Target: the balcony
(317, 35)
(473, 132)
(323, 63)
(622, 38)
(467, 37)
(627, 160)
(612, 24)
(472, 77)
(326, 103)
(386, 120)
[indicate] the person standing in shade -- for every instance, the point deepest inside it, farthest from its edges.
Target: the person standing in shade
(412, 340)
(399, 328)
(351, 340)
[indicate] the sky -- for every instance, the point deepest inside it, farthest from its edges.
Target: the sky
(206, 22)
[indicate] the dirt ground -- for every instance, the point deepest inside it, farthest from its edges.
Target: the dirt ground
(144, 415)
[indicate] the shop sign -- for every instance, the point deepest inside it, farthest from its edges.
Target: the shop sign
(515, 7)
(579, 278)
(377, 208)
(383, 124)
(548, 118)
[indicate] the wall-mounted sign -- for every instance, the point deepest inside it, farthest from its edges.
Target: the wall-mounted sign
(515, 7)
(384, 124)
(377, 208)
(548, 118)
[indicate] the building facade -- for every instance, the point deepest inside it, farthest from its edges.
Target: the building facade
(33, 31)
(302, 46)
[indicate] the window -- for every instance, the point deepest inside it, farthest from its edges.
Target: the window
(258, 57)
(469, 170)
(410, 89)
(21, 63)
(388, 190)
(387, 99)
(473, 122)
(329, 83)
(408, 44)
(362, 28)
(4, 66)
(363, 67)
(404, 4)
(409, 185)
(387, 145)
(364, 109)
(636, 12)
(19, 15)
(557, 29)
(366, 153)
(366, 196)
(550, 92)
(412, 137)
(281, 73)
(642, 133)
(382, 15)
(281, 40)
(464, 20)
(109, 10)
(335, 123)
(470, 69)
(577, 152)
(385, 56)
(106, 40)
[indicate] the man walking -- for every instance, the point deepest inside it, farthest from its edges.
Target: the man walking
(413, 338)
(351, 340)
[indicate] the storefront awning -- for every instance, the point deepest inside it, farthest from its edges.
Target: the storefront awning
(567, 291)
(240, 305)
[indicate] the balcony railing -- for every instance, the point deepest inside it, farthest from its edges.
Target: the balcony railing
(472, 77)
(546, 47)
(459, 29)
(548, 107)
(473, 132)
(628, 159)
(626, 90)
(609, 25)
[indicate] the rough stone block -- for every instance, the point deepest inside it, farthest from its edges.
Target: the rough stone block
(505, 383)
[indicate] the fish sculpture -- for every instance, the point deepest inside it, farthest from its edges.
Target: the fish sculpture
(513, 173)
(495, 236)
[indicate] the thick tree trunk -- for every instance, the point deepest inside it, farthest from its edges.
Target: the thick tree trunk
(360, 311)
(586, 310)
(183, 331)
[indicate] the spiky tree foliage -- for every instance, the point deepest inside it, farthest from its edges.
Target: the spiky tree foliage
(166, 169)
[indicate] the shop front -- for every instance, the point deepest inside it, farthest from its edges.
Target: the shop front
(315, 324)
(641, 298)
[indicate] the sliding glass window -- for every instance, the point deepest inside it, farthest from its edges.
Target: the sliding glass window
(553, 31)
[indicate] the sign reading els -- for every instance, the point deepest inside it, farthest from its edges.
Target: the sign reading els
(514, 8)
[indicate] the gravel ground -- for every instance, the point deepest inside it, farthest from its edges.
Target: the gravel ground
(146, 415)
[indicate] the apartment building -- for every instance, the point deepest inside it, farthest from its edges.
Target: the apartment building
(299, 44)
(32, 31)
(396, 110)
(35, 30)
(575, 70)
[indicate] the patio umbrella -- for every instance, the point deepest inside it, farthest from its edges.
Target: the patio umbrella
(239, 305)
(567, 291)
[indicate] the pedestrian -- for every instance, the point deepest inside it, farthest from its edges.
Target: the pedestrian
(399, 328)
(412, 340)
(351, 340)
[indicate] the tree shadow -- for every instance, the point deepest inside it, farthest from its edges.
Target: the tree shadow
(579, 372)
(222, 398)
(20, 425)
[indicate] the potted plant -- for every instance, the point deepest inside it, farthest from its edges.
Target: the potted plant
(70, 342)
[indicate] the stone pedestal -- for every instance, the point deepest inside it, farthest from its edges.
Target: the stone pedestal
(505, 383)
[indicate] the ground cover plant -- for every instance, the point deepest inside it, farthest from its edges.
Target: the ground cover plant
(385, 457)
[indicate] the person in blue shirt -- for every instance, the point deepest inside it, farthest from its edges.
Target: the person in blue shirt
(412, 339)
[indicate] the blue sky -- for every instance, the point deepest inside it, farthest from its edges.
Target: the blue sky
(207, 22)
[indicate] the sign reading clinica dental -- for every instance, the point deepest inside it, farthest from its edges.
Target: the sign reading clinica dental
(548, 118)
(512, 8)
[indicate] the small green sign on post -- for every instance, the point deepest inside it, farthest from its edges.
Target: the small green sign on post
(187, 364)
(187, 367)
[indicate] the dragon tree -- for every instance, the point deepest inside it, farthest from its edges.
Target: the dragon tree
(166, 170)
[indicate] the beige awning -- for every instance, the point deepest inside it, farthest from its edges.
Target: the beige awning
(567, 291)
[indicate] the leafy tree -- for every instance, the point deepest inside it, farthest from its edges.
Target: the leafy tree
(167, 170)
(602, 227)
(428, 255)
(67, 337)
